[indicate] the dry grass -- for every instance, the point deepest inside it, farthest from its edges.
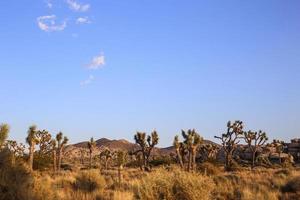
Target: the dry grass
(17, 183)
(163, 184)
(177, 184)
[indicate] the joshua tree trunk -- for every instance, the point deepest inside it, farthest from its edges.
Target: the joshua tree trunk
(54, 160)
(194, 159)
(190, 162)
(120, 177)
(227, 162)
(179, 158)
(13, 159)
(253, 159)
(31, 151)
(91, 159)
(144, 162)
(279, 157)
(59, 159)
(106, 163)
(140, 162)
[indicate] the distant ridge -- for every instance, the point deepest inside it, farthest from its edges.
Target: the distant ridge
(123, 145)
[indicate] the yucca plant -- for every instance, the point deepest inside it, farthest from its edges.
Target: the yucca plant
(31, 140)
(107, 155)
(279, 146)
(179, 147)
(230, 139)
(17, 149)
(45, 140)
(209, 152)
(4, 129)
(54, 156)
(121, 159)
(61, 142)
(146, 144)
(255, 140)
(91, 146)
(190, 145)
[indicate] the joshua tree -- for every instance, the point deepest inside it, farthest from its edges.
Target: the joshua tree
(44, 138)
(91, 146)
(230, 140)
(32, 140)
(209, 152)
(146, 146)
(137, 157)
(192, 140)
(190, 145)
(61, 142)
(279, 145)
(82, 153)
(54, 157)
(107, 155)
(4, 129)
(121, 159)
(179, 147)
(15, 148)
(255, 140)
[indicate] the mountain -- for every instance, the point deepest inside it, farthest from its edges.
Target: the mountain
(122, 144)
(102, 143)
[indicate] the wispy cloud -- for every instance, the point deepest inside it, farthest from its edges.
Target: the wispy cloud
(83, 20)
(73, 5)
(47, 23)
(97, 62)
(88, 81)
(48, 3)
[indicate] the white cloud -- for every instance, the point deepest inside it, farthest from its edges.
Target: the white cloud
(87, 81)
(47, 23)
(73, 5)
(83, 20)
(97, 62)
(49, 4)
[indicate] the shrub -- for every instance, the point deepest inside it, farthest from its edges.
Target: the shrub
(89, 181)
(16, 181)
(208, 169)
(66, 166)
(283, 173)
(43, 188)
(247, 185)
(178, 184)
(292, 186)
(42, 162)
(161, 160)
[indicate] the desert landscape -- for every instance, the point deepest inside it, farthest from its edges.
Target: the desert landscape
(149, 100)
(47, 167)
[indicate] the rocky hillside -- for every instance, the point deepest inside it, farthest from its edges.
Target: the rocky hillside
(75, 150)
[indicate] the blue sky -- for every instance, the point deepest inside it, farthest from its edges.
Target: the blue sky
(107, 68)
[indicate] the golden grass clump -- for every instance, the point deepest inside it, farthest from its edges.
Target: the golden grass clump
(89, 181)
(209, 169)
(260, 184)
(177, 184)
